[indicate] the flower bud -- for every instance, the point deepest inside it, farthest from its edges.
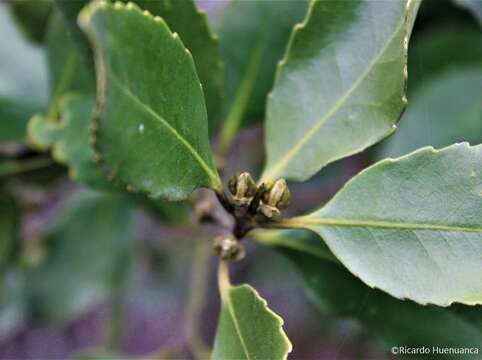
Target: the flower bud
(243, 188)
(278, 195)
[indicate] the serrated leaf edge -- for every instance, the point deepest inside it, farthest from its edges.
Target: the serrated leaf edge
(83, 21)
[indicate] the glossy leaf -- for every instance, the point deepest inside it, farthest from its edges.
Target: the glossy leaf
(23, 79)
(152, 130)
(445, 80)
(184, 18)
(340, 86)
(247, 328)
(253, 36)
(88, 250)
(393, 322)
(411, 226)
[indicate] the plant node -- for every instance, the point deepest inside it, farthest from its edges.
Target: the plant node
(228, 248)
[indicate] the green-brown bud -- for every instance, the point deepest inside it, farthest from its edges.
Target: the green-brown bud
(278, 195)
(242, 187)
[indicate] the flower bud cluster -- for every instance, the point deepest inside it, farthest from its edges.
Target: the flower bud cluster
(268, 199)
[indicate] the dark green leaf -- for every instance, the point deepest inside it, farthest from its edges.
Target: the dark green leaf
(67, 71)
(394, 322)
(87, 255)
(9, 221)
(247, 328)
(70, 10)
(444, 86)
(340, 86)
(32, 17)
(411, 226)
(184, 18)
(23, 77)
(152, 133)
(253, 36)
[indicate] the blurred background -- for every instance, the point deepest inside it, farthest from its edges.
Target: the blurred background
(85, 273)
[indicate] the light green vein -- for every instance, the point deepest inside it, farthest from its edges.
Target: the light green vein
(308, 222)
(236, 325)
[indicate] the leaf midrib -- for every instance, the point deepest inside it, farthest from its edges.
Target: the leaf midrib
(237, 327)
(339, 222)
(212, 176)
(283, 162)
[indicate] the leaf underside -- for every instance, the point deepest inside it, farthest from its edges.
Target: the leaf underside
(411, 226)
(335, 291)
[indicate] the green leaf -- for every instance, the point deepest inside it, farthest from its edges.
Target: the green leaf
(439, 51)
(340, 86)
(67, 72)
(442, 112)
(32, 17)
(247, 328)
(393, 322)
(184, 18)
(447, 89)
(23, 79)
(70, 11)
(253, 36)
(152, 132)
(411, 226)
(87, 255)
(70, 140)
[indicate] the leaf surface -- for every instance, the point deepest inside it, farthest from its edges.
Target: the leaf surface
(411, 226)
(340, 86)
(152, 129)
(247, 328)
(191, 24)
(393, 322)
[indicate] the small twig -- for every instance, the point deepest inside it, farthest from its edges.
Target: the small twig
(16, 167)
(196, 300)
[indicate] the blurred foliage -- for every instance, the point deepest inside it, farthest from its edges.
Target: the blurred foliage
(23, 79)
(32, 17)
(83, 256)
